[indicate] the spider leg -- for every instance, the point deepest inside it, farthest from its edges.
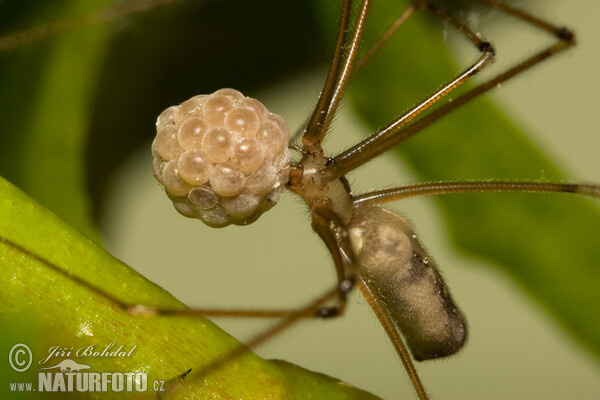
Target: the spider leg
(364, 60)
(332, 74)
(288, 317)
(107, 14)
(309, 310)
(337, 78)
(334, 233)
(336, 236)
(561, 32)
(141, 310)
(398, 130)
(424, 189)
(384, 38)
(390, 328)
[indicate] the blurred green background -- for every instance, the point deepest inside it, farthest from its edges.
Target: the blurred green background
(278, 52)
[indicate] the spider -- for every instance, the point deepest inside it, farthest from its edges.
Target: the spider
(368, 244)
(296, 169)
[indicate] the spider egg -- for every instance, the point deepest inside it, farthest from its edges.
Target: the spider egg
(221, 158)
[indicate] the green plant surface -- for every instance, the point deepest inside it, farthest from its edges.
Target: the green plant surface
(46, 107)
(46, 308)
(46, 116)
(70, 93)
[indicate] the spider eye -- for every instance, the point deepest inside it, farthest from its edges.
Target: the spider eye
(222, 158)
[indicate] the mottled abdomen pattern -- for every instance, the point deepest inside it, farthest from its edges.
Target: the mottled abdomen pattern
(395, 266)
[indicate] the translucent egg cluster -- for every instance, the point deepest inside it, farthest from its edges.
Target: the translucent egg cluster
(222, 158)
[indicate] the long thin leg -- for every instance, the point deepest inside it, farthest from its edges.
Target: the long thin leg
(384, 38)
(307, 311)
(139, 310)
(378, 142)
(424, 189)
(371, 148)
(289, 318)
(390, 328)
(337, 80)
(515, 12)
(364, 60)
(109, 13)
(335, 235)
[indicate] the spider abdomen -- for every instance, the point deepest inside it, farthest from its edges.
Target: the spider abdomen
(395, 266)
(222, 158)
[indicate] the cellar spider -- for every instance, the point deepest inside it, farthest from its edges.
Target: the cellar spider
(361, 237)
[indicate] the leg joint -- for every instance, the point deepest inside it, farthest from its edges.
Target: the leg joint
(488, 48)
(564, 33)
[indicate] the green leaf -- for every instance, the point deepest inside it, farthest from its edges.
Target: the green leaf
(532, 239)
(546, 243)
(46, 120)
(46, 114)
(43, 308)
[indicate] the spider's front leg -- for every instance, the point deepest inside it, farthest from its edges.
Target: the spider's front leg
(332, 230)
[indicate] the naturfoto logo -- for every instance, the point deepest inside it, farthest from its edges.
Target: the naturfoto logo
(67, 375)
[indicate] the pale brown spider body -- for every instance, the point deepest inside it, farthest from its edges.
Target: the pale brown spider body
(372, 248)
(379, 248)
